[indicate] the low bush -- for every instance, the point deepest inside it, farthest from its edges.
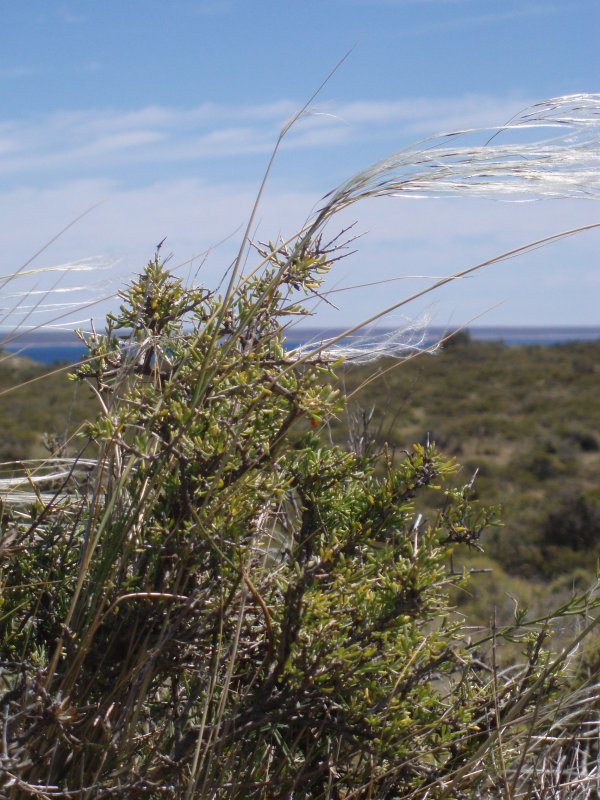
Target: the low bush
(575, 524)
(228, 607)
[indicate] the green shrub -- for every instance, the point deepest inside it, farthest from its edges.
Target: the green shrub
(223, 604)
(232, 608)
(575, 524)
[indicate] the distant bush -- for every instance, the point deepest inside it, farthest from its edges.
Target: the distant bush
(586, 440)
(543, 465)
(459, 339)
(575, 524)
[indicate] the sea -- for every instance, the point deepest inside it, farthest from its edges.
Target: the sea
(54, 348)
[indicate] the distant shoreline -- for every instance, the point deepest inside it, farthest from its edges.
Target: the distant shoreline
(49, 347)
(507, 334)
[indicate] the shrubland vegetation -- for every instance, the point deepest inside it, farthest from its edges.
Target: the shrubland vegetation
(229, 606)
(523, 419)
(37, 411)
(204, 596)
(524, 422)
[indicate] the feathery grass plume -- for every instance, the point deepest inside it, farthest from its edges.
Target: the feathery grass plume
(156, 644)
(45, 481)
(372, 345)
(27, 301)
(566, 165)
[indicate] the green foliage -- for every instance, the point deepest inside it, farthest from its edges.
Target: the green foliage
(222, 603)
(575, 524)
(35, 419)
(526, 418)
(230, 607)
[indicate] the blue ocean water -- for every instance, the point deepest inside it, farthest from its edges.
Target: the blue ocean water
(47, 349)
(49, 354)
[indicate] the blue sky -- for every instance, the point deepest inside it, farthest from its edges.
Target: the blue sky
(165, 114)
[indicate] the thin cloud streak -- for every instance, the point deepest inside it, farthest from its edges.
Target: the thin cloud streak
(87, 141)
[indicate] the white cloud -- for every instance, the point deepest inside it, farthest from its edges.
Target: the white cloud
(55, 163)
(148, 135)
(98, 139)
(424, 116)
